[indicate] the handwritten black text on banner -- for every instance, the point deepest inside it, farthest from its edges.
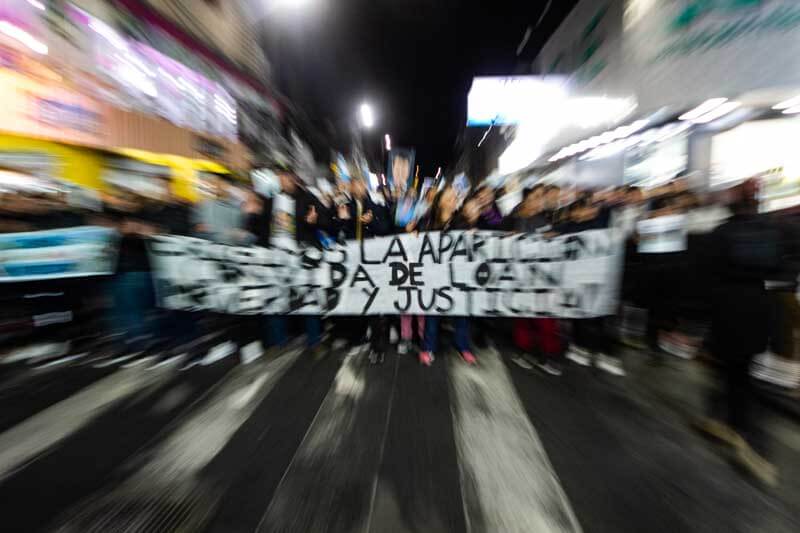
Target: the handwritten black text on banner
(472, 273)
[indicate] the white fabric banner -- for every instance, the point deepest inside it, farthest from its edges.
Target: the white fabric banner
(460, 273)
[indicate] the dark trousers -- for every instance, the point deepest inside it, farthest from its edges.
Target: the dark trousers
(133, 301)
(379, 340)
(735, 403)
(591, 334)
(277, 333)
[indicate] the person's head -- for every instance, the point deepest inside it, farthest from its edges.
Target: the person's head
(584, 207)
(744, 197)
(633, 195)
(533, 200)
(680, 184)
(358, 188)
(552, 196)
(288, 181)
(445, 202)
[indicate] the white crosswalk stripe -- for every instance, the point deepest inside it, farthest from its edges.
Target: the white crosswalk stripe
(43, 430)
(507, 480)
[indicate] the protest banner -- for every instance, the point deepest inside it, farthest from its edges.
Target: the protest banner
(60, 253)
(460, 273)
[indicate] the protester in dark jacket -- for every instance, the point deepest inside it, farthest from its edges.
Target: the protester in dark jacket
(743, 253)
(296, 215)
(360, 219)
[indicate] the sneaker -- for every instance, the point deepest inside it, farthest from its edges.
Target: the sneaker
(612, 365)
(426, 358)
(403, 347)
(549, 368)
(393, 336)
(376, 357)
(578, 356)
(469, 358)
(522, 362)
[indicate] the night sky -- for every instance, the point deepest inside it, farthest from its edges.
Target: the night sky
(413, 60)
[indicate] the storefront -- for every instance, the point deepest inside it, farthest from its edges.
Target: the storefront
(765, 148)
(47, 118)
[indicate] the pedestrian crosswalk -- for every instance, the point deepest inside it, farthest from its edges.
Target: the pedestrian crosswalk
(286, 442)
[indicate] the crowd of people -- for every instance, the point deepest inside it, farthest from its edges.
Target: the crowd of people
(728, 290)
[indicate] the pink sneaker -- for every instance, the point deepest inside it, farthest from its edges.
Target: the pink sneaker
(469, 358)
(425, 358)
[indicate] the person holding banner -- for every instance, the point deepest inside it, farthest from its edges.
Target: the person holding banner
(133, 292)
(592, 343)
(405, 222)
(534, 335)
(361, 218)
(296, 215)
(444, 216)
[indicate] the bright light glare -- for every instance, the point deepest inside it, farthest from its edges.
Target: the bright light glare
(791, 102)
(388, 142)
(293, 4)
(108, 33)
(702, 109)
(37, 4)
(367, 118)
(591, 112)
(718, 112)
(792, 110)
(22, 36)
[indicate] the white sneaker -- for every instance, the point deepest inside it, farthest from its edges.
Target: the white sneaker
(393, 336)
(612, 365)
(578, 356)
(549, 368)
(403, 347)
(522, 363)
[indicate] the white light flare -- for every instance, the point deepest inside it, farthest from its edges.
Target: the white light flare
(367, 117)
(18, 34)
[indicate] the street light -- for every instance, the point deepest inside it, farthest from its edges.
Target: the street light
(293, 4)
(367, 118)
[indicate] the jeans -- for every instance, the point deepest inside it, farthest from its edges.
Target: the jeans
(591, 335)
(460, 339)
(277, 330)
(133, 299)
